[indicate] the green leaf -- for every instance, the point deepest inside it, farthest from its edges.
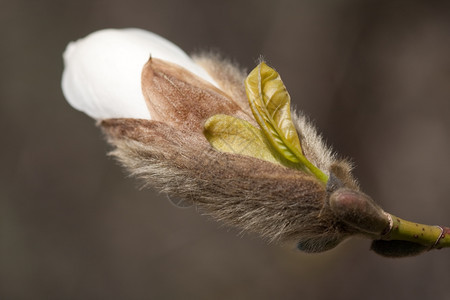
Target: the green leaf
(270, 104)
(233, 135)
(271, 107)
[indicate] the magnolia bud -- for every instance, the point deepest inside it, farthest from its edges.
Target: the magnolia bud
(170, 151)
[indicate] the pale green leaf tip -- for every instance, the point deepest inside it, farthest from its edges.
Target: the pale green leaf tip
(267, 95)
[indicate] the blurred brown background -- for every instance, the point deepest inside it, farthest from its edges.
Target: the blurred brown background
(373, 75)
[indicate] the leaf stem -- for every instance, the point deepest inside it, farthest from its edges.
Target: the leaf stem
(435, 237)
(313, 169)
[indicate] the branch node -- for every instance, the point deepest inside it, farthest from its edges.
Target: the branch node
(439, 237)
(388, 230)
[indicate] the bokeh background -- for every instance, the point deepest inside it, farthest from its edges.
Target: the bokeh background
(373, 75)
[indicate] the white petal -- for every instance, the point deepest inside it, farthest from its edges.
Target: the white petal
(102, 75)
